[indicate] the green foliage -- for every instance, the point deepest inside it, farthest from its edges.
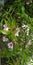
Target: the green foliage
(16, 28)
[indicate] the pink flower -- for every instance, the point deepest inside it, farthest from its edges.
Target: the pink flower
(28, 43)
(10, 45)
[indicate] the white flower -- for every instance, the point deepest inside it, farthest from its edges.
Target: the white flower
(27, 31)
(5, 27)
(5, 39)
(27, 3)
(17, 33)
(10, 45)
(31, 60)
(24, 26)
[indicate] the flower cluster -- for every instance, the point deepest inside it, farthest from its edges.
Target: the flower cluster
(5, 27)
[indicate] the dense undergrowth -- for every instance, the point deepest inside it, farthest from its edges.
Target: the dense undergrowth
(16, 32)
